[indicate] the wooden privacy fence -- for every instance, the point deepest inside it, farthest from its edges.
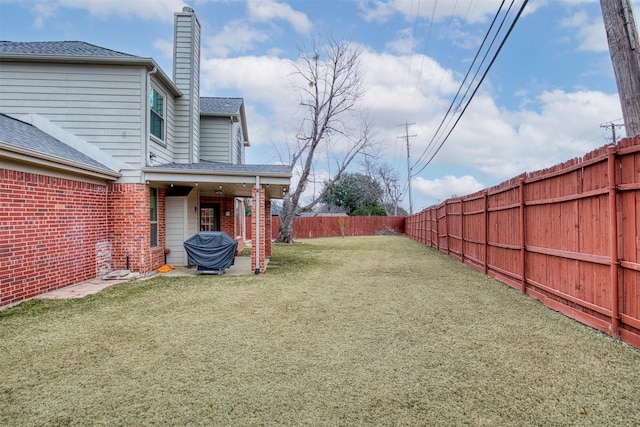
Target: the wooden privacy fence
(335, 226)
(568, 236)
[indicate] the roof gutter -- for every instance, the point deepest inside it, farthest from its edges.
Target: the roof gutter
(191, 172)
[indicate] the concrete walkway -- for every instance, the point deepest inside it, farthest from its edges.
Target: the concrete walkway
(241, 266)
(81, 289)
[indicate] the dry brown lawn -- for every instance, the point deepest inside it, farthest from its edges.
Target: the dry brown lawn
(356, 331)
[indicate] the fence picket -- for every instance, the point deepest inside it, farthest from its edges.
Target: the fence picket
(568, 235)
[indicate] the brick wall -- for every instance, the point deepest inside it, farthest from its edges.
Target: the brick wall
(227, 223)
(57, 232)
(129, 228)
(53, 233)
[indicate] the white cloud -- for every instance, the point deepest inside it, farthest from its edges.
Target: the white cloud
(157, 10)
(501, 144)
(236, 36)
(165, 47)
(589, 33)
(404, 43)
(43, 11)
(437, 190)
(268, 10)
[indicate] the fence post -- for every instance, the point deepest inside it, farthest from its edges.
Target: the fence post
(486, 232)
(437, 221)
(613, 240)
(446, 226)
(523, 249)
(431, 229)
(462, 229)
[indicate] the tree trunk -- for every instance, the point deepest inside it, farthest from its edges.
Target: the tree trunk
(285, 233)
(622, 36)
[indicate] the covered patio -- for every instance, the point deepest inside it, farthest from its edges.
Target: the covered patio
(214, 197)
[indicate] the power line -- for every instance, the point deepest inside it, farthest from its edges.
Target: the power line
(453, 101)
(446, 137)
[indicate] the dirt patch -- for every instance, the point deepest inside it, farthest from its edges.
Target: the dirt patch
(373, 330)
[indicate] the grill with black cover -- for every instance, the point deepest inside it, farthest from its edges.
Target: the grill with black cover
(211, 251)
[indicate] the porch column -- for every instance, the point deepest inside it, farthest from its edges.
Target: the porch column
(258, 229)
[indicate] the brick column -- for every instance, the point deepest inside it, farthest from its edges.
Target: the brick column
(267, 222)
(258, 244)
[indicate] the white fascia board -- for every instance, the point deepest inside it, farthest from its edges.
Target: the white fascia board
(181, 175)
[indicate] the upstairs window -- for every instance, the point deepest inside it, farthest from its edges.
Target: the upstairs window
(156, 124)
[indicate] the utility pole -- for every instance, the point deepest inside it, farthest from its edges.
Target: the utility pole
(613, 127)
(406, 137)
(622, 35)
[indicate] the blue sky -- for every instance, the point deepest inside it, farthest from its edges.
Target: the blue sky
(542, 102)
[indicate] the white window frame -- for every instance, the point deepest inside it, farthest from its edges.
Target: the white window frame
(163, 117)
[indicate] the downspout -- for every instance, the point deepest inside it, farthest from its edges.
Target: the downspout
(147, 127)
(256, 212)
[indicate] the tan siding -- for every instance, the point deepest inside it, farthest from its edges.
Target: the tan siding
(215, 139)
(176, 221)
(100, 104)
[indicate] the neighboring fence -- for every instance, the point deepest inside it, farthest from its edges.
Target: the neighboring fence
(334, 226)
(568, 236)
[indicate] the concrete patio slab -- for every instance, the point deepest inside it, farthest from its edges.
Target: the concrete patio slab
(241, 266)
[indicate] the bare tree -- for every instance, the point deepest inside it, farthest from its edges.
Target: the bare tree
(330, 90)
(389, 181)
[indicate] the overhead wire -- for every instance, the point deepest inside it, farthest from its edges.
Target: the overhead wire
(462, 84)
(486, 71)
(426, 43)
(407, 67)
(475, 75)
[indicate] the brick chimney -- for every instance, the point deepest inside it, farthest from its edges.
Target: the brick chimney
(186, 75)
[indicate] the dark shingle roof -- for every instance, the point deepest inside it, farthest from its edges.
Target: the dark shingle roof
(222, 106)
(24, 135)
(60, 48)
(228, 167)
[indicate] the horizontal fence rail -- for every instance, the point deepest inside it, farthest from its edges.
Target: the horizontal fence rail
(567, 236)
(336, 226)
